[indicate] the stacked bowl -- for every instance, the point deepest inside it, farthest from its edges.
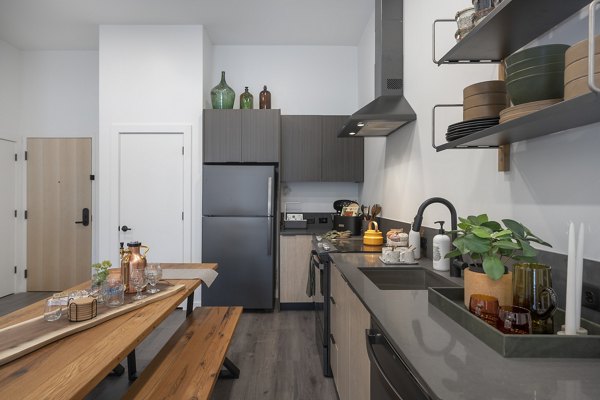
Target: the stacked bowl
(484, 100)
(536, 73)
(576, 68)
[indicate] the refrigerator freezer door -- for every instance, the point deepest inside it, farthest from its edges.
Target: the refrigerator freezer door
(245, 190)
(243, 248)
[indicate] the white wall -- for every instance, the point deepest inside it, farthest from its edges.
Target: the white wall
(152, 76)
(553, 179)
(10, 94)
(303, 80)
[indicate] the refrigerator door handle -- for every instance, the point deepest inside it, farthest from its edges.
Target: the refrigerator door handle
(269, 195)
(270, 236)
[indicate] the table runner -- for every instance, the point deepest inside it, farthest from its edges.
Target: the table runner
(27, 336)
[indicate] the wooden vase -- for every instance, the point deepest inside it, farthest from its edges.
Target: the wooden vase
(476, 282)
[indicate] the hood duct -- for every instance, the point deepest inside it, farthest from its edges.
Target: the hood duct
(390, 110)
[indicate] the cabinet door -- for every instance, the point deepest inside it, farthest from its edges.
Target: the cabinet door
(339, 327)
(342, 157)
(260, 135)
(294, 256)
(359, 381)
(301, 150)
(222, 136)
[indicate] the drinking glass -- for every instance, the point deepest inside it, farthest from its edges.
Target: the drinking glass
(532, 289)
(484, 307)
(53, 309)
(136, 278)
(114, 292)
(153, 274)
(514, 320)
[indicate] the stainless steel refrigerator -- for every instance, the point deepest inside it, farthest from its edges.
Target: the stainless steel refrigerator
(238, 233)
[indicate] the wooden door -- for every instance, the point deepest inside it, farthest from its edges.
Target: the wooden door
(7, 217)
(301, 148)
(151, 173)
(342, 157)
(222, 135)
(260, 135)
(59, 250)
(294, 256)
(359, 382)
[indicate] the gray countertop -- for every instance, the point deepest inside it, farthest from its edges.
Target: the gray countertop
(453, 362)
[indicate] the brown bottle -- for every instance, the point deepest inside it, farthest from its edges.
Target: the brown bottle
(265, 98)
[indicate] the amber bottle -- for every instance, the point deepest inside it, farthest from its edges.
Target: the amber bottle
(265, 98)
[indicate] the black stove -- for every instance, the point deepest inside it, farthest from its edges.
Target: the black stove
(321, 262)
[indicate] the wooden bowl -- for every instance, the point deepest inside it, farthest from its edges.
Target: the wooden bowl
(580, 50)
(579, 86)
(536, 87)
(485, 99)
(484, 87)
(580, 68)
(486, 111)
(521, 110)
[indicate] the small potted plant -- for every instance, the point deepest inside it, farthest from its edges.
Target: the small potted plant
(99, 275)
(490, 247)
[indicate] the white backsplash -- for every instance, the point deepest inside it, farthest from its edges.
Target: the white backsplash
(316, 196)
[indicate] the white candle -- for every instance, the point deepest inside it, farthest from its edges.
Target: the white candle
(578, 276)
(570, 323)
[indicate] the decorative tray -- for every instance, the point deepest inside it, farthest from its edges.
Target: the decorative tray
(450, 302)
(397, 262)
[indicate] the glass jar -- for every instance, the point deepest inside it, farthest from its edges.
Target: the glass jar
(246, 100)
(222, 96)
(265, 98)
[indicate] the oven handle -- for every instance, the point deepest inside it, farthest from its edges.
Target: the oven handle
(373, 336)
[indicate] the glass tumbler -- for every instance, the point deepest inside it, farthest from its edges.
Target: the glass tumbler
(114, 293)
(485, 307)
(53, 309)
(514, 320)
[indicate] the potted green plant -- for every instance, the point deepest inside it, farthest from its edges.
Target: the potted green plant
(99, 274)
(490, 247)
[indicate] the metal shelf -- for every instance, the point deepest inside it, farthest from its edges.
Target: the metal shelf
(510, 26)
(580, 111)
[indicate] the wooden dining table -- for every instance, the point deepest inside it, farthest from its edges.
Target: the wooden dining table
(71, 367)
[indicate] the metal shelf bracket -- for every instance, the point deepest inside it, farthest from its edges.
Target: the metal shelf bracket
(456, 62)
(433, 129)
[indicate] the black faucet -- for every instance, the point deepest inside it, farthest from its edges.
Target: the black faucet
(456, 265)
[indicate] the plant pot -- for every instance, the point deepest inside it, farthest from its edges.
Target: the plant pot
(479, 282)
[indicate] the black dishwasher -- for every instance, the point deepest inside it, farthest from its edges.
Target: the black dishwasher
(390, 376)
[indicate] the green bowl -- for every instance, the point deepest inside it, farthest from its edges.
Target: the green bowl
(535, 52)
(540, 69)
(536, 87)
(535, 62)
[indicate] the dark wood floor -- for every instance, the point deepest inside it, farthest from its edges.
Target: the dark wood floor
(276, 353)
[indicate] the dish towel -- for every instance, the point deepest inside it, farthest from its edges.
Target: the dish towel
(310, 284)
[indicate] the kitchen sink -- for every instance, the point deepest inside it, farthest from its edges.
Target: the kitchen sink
(405, 278)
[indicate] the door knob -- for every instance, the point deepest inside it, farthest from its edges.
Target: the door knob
(85, 217)
(125, 228)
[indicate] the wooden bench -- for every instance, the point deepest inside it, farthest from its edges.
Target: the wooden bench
(188, 366)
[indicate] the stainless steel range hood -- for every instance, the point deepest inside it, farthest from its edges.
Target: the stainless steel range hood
(390, 110)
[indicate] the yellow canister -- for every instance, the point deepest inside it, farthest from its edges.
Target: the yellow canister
(373, 236)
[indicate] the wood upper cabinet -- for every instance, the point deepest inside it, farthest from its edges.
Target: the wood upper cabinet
(294, 256)
(301, 149)
(350, 363)
(343, 158)
(261, 132)
(312, 152)
(241, 135)
(222, 136)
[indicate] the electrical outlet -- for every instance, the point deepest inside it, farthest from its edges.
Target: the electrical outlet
(322, 220)
(590, 296)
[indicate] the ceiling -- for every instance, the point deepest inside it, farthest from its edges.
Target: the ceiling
(73, 24)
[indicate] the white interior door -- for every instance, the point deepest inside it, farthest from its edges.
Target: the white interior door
(151, 184)
(7, 217)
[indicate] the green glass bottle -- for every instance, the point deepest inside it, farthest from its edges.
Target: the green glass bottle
(246, 100)
(222, 96)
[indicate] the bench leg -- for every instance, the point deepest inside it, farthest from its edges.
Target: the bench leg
(190, 305)
(230, 371)
(131, 366)
(118, 370)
